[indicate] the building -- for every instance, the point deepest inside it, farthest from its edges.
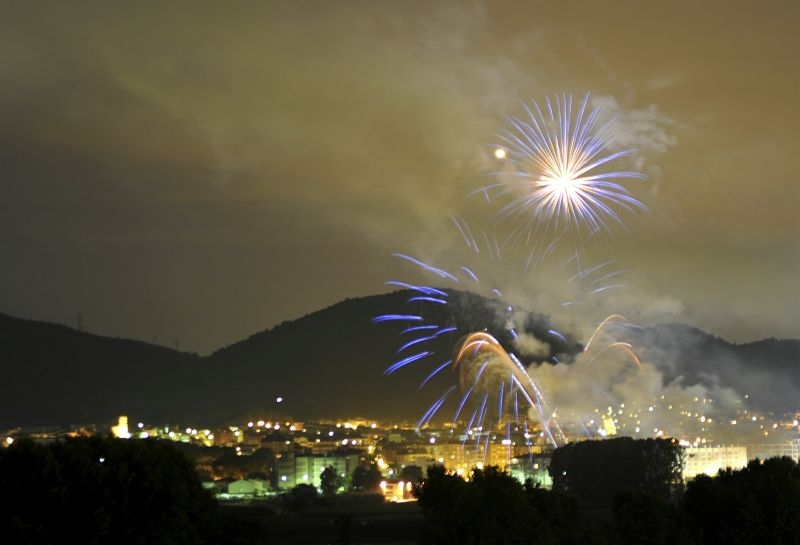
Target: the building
(710, 459)
(248, 488)
(293, 469)
(535, 467)
(394, 490)
(462, 456)
(776, 450)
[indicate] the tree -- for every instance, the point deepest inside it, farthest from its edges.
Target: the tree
(366, 478)
(596, 471)
(104, 490)
(441, 498)
(501, 514)
(644, 519)
(559, 514)
(765, 497)
(411, 474)
(300, 497)
(330, 481)
(489, 508)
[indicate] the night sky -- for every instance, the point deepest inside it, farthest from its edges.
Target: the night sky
(202, 172)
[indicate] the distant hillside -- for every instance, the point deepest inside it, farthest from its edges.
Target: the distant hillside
(768, 371)
(332, 362)
(328, 363)
(52, 374)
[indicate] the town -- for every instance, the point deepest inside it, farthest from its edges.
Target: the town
(265, 457)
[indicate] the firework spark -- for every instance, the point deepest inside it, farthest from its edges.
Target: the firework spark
(479, 338)
(484, 364)
(562, 180)
(601, 389)
(483, 338)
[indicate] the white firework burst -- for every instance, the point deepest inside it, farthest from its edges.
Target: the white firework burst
(562, 178)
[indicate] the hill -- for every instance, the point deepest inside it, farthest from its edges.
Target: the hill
(767, 371)
(329, 363)
(52, 374)
(332, 362)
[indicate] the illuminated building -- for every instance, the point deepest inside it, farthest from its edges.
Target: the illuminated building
(764, 451)
(292, 469)
(535, 467)
(710, 459)
(121, 429)
(394, 490)
(227, 437)
(462, 458)
(278, 445)
(248, 487)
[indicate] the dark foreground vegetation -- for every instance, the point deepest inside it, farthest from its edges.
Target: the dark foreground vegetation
(619, 491)
(94, 490)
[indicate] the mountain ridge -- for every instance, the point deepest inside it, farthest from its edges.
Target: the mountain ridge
(330, 362)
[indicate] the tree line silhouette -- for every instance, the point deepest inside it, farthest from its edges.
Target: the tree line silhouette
(617, 491)
(97, 490)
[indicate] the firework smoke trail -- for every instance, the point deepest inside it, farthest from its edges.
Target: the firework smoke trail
(472, 350)
(472, 343)
(561, 179)
(485, 364)
(614, 318)
(626, 348)
(604, 400)
(477, 355)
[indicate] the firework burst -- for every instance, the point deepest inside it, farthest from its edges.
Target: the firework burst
(562, 184)
(562, 179)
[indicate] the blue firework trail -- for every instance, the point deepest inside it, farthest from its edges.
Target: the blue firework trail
(395, 317)
(487, 373)
(490, 374)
